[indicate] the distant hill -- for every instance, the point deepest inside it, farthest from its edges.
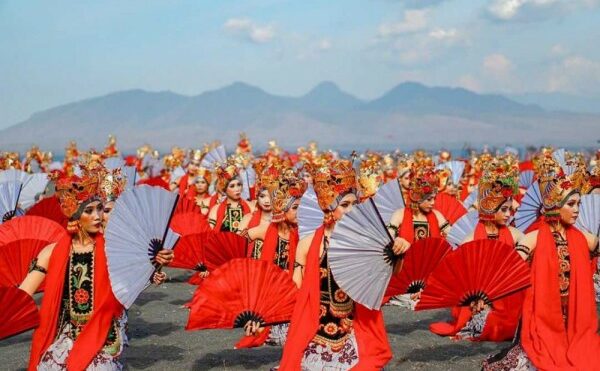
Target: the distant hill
(407, 116)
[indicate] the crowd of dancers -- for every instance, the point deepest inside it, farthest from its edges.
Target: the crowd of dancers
(302, 249)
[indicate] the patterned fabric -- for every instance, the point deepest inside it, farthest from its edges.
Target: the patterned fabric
(513, 359)
(421, 229)
(336, 308)
(282, 257)
(474, 327)
(564, 273)
(597, 286)
(322, 357)
(257, 248)
(55, 358)
(278, 335)
(232, 219)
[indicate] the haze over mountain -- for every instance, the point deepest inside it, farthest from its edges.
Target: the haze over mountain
(409, 115)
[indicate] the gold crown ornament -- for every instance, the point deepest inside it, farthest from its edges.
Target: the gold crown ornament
(288, 189)
(226, 173)
(557, 184)
(333, 181)
(370, 177)
(111, 148)
(268, 178)
(112, 184)
(499, 182)
(423, 183)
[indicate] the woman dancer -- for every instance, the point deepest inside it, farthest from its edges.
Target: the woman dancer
(227, 215)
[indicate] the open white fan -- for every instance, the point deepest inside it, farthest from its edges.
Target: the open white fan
(462, 228)
(32, 185)
(177, 174)
(526, 178)
(131, 176)
(113, 163)
(530, 208)
(217, 155)
(471, 199)
(456, 168)
(388, 199)
(9, 199)
(360, 255)
(560, 156)
(136, 232)
(310, 215)
(248, 176)
(589, 214)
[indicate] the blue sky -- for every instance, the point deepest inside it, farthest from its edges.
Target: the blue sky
(62, 51)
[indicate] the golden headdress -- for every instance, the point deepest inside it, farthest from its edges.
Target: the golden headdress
(423, 183)
(244, 146)
(226, 172)
(111, 148)
(112, 184)
(267, 177)
(333, 181)
(370, 177)
(288, 189)
(498, 183)
(558, 183)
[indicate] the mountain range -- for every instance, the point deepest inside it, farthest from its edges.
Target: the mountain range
(409, 115)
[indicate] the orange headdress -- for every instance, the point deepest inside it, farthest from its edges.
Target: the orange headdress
(423, 183)
(499, 182)
(288, 189)
(112, 184)
(333, 181)
(370, 177)
(226, 173)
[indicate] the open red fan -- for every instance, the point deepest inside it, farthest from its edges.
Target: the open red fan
(49, 208)
(449, 206)
(18, 313)
(186, 205)
(155, 182)
(240, 291)
(419, 261)
(484, 269)
(189, 223)
(21, 240)
(221, 247)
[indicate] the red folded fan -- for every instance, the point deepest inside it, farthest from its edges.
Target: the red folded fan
(21, 240)
(243, 290)
(189, 252)
(186, 205)
(449, 206)
(221, 247)
(18, 313)
(419, 261)
(189, 223)
(484, 269)
(155, 182)
(49, 208)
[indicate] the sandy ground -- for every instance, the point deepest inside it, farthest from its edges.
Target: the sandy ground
(159, 341)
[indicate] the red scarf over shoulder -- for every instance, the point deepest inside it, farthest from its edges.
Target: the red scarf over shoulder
(106, 307)
(407, 229)
(373, 347)
(548, 344)
(223, 208)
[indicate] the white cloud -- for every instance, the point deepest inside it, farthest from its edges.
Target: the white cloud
(559, 50)
(508, 10)
(414, 20)
(497, 64)
(249, 30)
(324, 44)
(444, 34)
(575, 74)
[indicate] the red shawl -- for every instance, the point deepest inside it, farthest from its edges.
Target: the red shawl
(407, 229)
(106, 307)
(501, 323)
(223, 208)
(373, 347)
(254, 222)
(548, 344)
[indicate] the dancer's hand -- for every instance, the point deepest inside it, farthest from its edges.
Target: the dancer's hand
(165, 257)
(252, 328)
(204, 274)
(478, 306)
(159, 278)
(400, 246)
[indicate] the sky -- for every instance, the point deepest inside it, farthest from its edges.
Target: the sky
(56, 52)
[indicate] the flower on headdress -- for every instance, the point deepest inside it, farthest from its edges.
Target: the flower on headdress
(426, 189)
(507, 192)
(566, 184)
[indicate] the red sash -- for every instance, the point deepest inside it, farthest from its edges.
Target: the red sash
(407, 229)
(373, 347)
(106, 307)
(548, 344)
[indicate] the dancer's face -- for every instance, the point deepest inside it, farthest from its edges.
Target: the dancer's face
(291, 216)
(107, 210)
(234, 190)
(427, 205)
(264, 200)
(405, 180)
(503, 214)
(90, 220)
(201, 185)
(570, 210)
(345, 206)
